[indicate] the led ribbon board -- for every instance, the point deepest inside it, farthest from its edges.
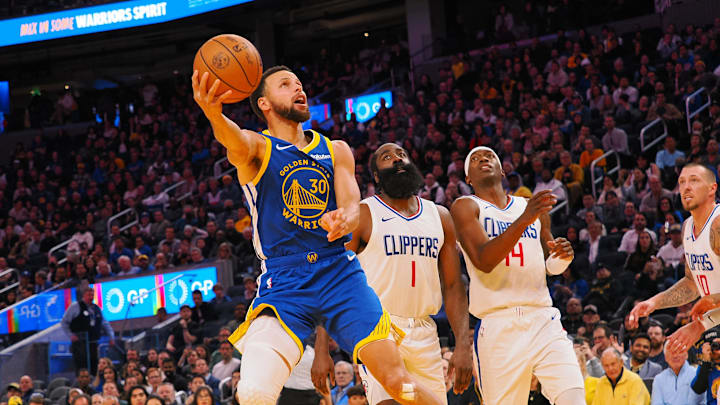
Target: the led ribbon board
(365, 107)
(108, 17)
(133, 297)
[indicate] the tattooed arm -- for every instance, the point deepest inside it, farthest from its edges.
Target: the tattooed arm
(680, 293)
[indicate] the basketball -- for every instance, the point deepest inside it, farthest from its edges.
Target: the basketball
(232, 59)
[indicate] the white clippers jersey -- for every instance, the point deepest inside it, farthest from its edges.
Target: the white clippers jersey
(519, 279)
(699, 256)
(401, 258)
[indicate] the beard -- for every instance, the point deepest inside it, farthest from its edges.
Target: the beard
(400, 185)
(290, 113)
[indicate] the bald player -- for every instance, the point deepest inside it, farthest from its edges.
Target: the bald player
(509, 250)
(701, 242)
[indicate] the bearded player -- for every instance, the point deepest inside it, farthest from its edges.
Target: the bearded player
(304, 202)
(406, 245)
(701, 242)
(509, 250)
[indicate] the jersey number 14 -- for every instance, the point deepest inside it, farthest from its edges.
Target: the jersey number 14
(516, 252)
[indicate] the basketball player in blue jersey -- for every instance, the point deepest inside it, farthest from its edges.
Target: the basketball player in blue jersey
(303, 199)
(509, 250)
(407, 247)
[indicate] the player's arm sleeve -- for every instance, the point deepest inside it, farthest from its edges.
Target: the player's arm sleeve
(700, 382)
(347, 192)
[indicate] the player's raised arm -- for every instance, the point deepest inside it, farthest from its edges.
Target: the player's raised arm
(346, 217)
(486, 253)
(245, 149)
(456, 303)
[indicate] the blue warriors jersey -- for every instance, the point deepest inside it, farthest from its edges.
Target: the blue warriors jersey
(292, 190)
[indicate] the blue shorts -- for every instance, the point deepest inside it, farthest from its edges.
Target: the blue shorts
(326, 287)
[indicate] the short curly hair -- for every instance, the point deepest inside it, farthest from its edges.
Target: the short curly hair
(260, 90)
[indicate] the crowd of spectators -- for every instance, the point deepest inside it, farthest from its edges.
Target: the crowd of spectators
(549, 110)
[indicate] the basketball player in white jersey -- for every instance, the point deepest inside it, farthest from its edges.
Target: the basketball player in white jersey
(407, 247)
(701, 242)
(508, 250)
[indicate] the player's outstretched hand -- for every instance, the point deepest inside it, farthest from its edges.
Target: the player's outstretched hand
(540, 203)
(322, 367)
(561, 248)
(641, 310)
(335, 223)
(685, 337)
(461, 364)
(205, 98)
(703, 305)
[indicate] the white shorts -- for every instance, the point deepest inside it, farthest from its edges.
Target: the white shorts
(420, 352)
(513, 344)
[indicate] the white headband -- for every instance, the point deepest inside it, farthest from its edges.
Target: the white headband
(475, 149)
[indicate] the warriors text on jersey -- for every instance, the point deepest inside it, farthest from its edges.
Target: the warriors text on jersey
(290, 193)
(401, 258)
(699, 256)
(519, 279)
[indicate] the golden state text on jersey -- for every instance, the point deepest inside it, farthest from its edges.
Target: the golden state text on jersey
(292, 190)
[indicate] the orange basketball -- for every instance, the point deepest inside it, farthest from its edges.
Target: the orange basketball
(232, 59)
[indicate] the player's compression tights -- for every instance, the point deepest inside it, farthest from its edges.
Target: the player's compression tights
(573, 396)
(268, 353)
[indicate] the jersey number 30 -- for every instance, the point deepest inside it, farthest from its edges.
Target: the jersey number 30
(516, 252)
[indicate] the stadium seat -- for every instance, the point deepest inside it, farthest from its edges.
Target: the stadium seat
(57, 383)
(58, 394)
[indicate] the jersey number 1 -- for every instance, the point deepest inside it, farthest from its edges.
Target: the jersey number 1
(412, 283)
(518, 254)
(702, 281)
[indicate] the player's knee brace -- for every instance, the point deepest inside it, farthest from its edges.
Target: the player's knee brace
(249, 393)
(573, 396)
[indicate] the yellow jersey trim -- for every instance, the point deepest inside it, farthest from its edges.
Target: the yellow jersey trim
(382, 330)
(330, 149)
(251, 315)
(315, 141)
(266, 160)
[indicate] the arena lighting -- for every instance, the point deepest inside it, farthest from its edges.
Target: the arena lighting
(108, 17)
(366, 106)
(114, 298)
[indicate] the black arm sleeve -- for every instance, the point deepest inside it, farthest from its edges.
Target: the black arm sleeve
(700, 384)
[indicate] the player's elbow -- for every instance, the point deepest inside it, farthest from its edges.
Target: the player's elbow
(482, 264)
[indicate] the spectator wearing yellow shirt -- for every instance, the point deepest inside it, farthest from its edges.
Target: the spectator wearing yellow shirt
(486, 92)
(591, 153)
(572, 175)
(619, 386)
(515, 186)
